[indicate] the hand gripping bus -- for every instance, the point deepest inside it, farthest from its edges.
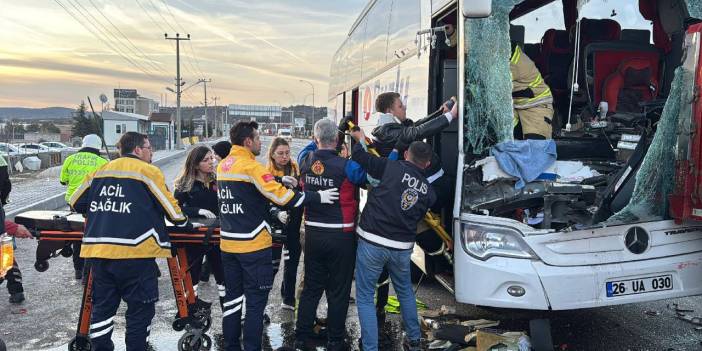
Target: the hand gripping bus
(58, 229)
(615, 222)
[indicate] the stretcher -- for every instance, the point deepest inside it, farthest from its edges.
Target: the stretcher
(57, 230)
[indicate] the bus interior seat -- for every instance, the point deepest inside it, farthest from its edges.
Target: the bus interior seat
(642, 36)
(534, 53)
(593, 31)
(516, 34)
(605, 58)
(554, 63)
(633, 82)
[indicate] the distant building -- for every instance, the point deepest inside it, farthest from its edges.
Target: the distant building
(129, 101)
(145, 106)
(115, 124)
(125, 100)
(258, 113)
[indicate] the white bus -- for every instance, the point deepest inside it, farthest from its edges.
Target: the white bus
(574, 242)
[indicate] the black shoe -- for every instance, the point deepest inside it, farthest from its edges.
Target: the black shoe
(266, 319)
(300, 345)
(78, 274)
(17, 298)
(337, 346)
(411, 345)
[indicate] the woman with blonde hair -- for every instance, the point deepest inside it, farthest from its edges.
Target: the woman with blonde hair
(281, 165)
(196, 192)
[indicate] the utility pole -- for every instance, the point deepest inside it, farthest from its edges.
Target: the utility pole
(205, 81)
(216, 115)
(312, 85)
(178, 85)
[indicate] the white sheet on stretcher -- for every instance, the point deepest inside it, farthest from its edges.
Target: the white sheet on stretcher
(566, 171)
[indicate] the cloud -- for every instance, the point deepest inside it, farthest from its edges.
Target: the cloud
(252, 50)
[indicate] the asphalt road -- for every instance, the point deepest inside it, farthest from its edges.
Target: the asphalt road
(47, 320)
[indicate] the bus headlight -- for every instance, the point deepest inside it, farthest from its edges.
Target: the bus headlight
(483, 242)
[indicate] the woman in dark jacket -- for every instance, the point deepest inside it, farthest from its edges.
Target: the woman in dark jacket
(196, 192)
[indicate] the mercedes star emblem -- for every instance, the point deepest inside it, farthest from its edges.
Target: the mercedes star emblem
(636, 240)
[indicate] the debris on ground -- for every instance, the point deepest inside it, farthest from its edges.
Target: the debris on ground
(494, 340)
(690, 319)
(652, 313)
(679, 309)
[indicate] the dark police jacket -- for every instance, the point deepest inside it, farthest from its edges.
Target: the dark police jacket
(396, 205)
(126, 201)
(322, 170)
(246, 189)
(390, 130)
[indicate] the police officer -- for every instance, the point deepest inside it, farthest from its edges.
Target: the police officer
(330, 243)
(125, 202)
(387, 233)
(73, 171)
(245, 190)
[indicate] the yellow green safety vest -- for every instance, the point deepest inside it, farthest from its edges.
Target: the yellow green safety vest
(76, 167)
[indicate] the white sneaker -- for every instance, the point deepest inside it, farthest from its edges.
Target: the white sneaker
(285, 306)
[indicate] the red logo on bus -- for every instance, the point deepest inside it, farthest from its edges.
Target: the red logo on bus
(367, 104)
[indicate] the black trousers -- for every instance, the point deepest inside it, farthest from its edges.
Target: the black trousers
(78, 262)
(330, 258)
(214, 258)
(291, 260)
(131, 280)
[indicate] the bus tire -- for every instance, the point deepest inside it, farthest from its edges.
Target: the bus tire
(540, 334)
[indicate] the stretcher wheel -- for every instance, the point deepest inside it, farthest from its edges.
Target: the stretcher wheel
(66, 252)
(41, 266)
(80, 344)
(192, 342)
(178, 324)
(206, 322)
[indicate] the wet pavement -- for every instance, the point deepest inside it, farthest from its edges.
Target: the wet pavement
(47, 320)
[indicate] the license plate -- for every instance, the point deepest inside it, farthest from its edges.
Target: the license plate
(639, 285)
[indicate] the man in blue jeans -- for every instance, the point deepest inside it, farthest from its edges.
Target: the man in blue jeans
(387, 232)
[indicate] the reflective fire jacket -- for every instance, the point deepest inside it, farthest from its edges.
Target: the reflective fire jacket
(528, 87)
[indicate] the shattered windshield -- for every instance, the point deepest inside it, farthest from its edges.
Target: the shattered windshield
(625, 172)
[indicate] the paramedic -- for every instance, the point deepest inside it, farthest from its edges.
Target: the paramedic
(245, 190)
(125, 202)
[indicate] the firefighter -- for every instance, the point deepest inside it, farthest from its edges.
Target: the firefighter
(125, 202)
(330, 242)
(245, 190)
(387, 233)
(533, 103)
(73, 171)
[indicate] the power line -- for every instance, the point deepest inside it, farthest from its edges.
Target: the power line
(192, 51)
(187, 61)
(151, 18)
(103, 29)
(99, 37)
(143, 55)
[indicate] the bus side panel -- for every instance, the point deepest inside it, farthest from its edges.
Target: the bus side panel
(410, 79)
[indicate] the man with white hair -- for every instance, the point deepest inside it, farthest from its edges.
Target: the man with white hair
(330, 240)
(73, 172)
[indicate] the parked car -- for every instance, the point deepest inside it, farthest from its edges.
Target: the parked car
(285, 134)
(31, 148)
(56, 146)
(8, 149)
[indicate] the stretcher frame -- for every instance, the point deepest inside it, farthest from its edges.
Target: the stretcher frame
(196, 322)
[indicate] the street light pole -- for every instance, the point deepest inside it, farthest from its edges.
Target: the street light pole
(313, 106)
(178, 84)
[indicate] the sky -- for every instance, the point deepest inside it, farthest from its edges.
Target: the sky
(57, 52)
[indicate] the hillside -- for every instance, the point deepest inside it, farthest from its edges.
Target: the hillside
(35, 113)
